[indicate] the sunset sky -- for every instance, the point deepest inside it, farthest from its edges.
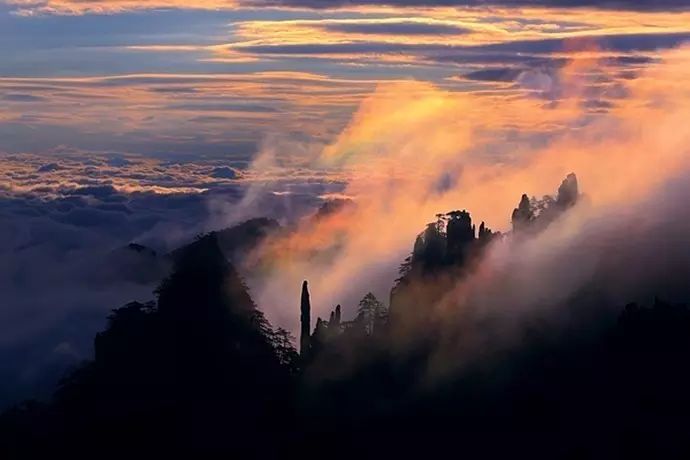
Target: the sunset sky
(166, 78)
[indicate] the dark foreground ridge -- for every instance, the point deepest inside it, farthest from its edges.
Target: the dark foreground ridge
(200, 371)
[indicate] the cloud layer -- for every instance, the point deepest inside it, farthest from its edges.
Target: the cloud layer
(114, 6)
(413, 150)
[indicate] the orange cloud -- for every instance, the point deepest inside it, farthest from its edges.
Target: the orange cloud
(413, 150)
(77, 7)
(240, 107)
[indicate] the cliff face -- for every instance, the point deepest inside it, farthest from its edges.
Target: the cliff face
(533, 215)
(523, 215)
(568, 192)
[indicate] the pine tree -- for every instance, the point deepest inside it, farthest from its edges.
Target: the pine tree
(370, 312)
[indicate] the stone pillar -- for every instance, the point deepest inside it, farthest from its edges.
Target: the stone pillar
(305, 320)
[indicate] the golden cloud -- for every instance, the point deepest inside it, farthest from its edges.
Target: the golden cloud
(413, 150)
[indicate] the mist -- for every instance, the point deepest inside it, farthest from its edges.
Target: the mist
(413, 150)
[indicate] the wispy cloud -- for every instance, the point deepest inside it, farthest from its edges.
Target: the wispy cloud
(29, 7)
(169, 113)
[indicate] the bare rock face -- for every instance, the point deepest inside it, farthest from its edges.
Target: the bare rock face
(568, 192)
(523, 214)
(337, 315)
(534, 215)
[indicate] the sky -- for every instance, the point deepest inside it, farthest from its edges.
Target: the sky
(217, 78)
(151, 121)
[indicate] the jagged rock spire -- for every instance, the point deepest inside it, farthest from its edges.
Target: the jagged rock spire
(337, 315)
(485, 233)
(305, 320)
(522, 215)
(568, 192)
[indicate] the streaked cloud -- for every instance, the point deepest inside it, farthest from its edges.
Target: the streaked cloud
(212, 114)
(603, 4)
(223, 78)
(30, 7)
(395, 27)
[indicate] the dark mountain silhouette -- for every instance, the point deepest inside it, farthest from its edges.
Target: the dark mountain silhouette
(201, 371)
(533, 215)
(235, 242)
(198, 362)
(445, 251)
(137, 263)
